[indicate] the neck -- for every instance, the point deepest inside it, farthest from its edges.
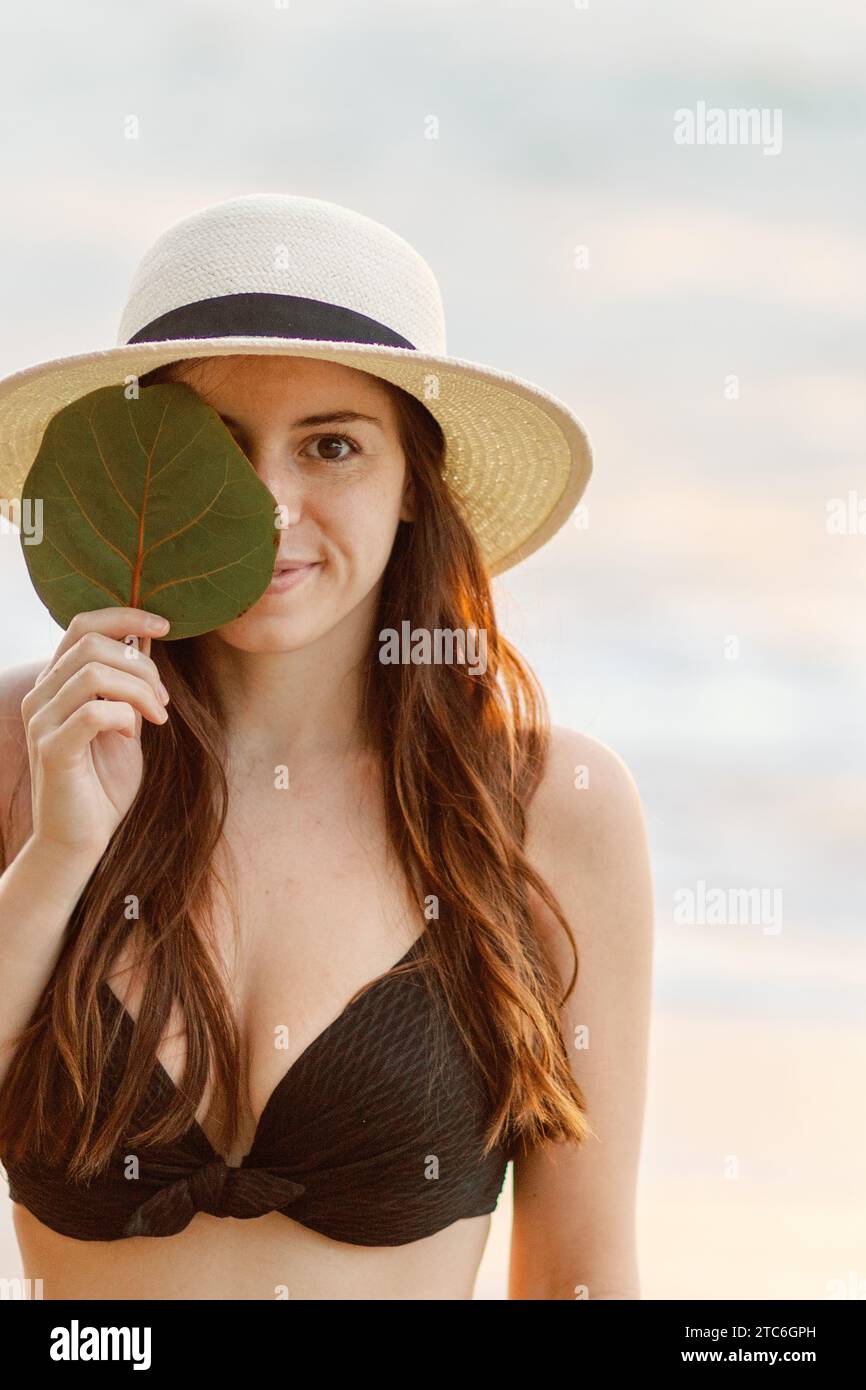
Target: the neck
(300, 708)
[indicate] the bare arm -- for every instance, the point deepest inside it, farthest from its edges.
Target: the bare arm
(38, 894)
(39, 887)
(574, 1230)
(74, 726)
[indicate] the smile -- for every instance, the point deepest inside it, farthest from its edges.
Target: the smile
(290, 575)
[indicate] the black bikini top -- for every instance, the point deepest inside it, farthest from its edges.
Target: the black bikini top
(361, 1140)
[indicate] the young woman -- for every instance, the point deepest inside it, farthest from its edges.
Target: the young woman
(214, 1082)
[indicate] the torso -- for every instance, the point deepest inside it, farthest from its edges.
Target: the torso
(320, 912)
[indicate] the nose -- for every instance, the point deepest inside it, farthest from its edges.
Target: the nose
(280, 473)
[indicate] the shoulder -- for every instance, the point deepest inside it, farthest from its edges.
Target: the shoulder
(586, 797)
(586, 836)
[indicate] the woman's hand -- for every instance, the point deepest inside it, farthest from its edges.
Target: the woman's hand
(83, 724)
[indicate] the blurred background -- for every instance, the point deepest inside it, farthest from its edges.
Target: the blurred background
(701, 307)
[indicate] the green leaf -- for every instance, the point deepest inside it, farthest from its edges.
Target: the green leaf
(149, 503)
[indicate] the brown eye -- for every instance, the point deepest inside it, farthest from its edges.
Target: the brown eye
(331, 444)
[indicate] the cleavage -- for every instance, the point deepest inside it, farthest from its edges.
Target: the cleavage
(321, 910)
(277, 1024)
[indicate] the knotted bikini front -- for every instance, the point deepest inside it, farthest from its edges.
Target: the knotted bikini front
(217, 1188)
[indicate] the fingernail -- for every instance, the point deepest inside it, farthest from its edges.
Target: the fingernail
(157, 624)
(163, 693)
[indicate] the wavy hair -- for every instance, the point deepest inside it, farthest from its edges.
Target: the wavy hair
(461, 755)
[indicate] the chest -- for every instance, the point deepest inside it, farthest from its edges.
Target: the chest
(316, 908)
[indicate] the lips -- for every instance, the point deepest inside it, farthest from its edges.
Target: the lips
(288, 574)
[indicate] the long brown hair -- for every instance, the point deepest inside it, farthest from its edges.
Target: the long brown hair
(461, 754)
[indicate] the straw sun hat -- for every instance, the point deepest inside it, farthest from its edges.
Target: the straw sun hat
(274, 273)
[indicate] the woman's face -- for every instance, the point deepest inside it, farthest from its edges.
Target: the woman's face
(324, 440)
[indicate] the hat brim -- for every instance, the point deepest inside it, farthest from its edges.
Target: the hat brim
(517, 459)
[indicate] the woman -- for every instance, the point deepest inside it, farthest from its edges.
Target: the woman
(215, 852)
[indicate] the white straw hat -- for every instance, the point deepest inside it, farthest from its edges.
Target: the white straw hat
(279, 274)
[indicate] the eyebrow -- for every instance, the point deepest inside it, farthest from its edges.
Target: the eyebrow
(330, 417)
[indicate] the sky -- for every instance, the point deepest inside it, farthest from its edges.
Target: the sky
(700, 306)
